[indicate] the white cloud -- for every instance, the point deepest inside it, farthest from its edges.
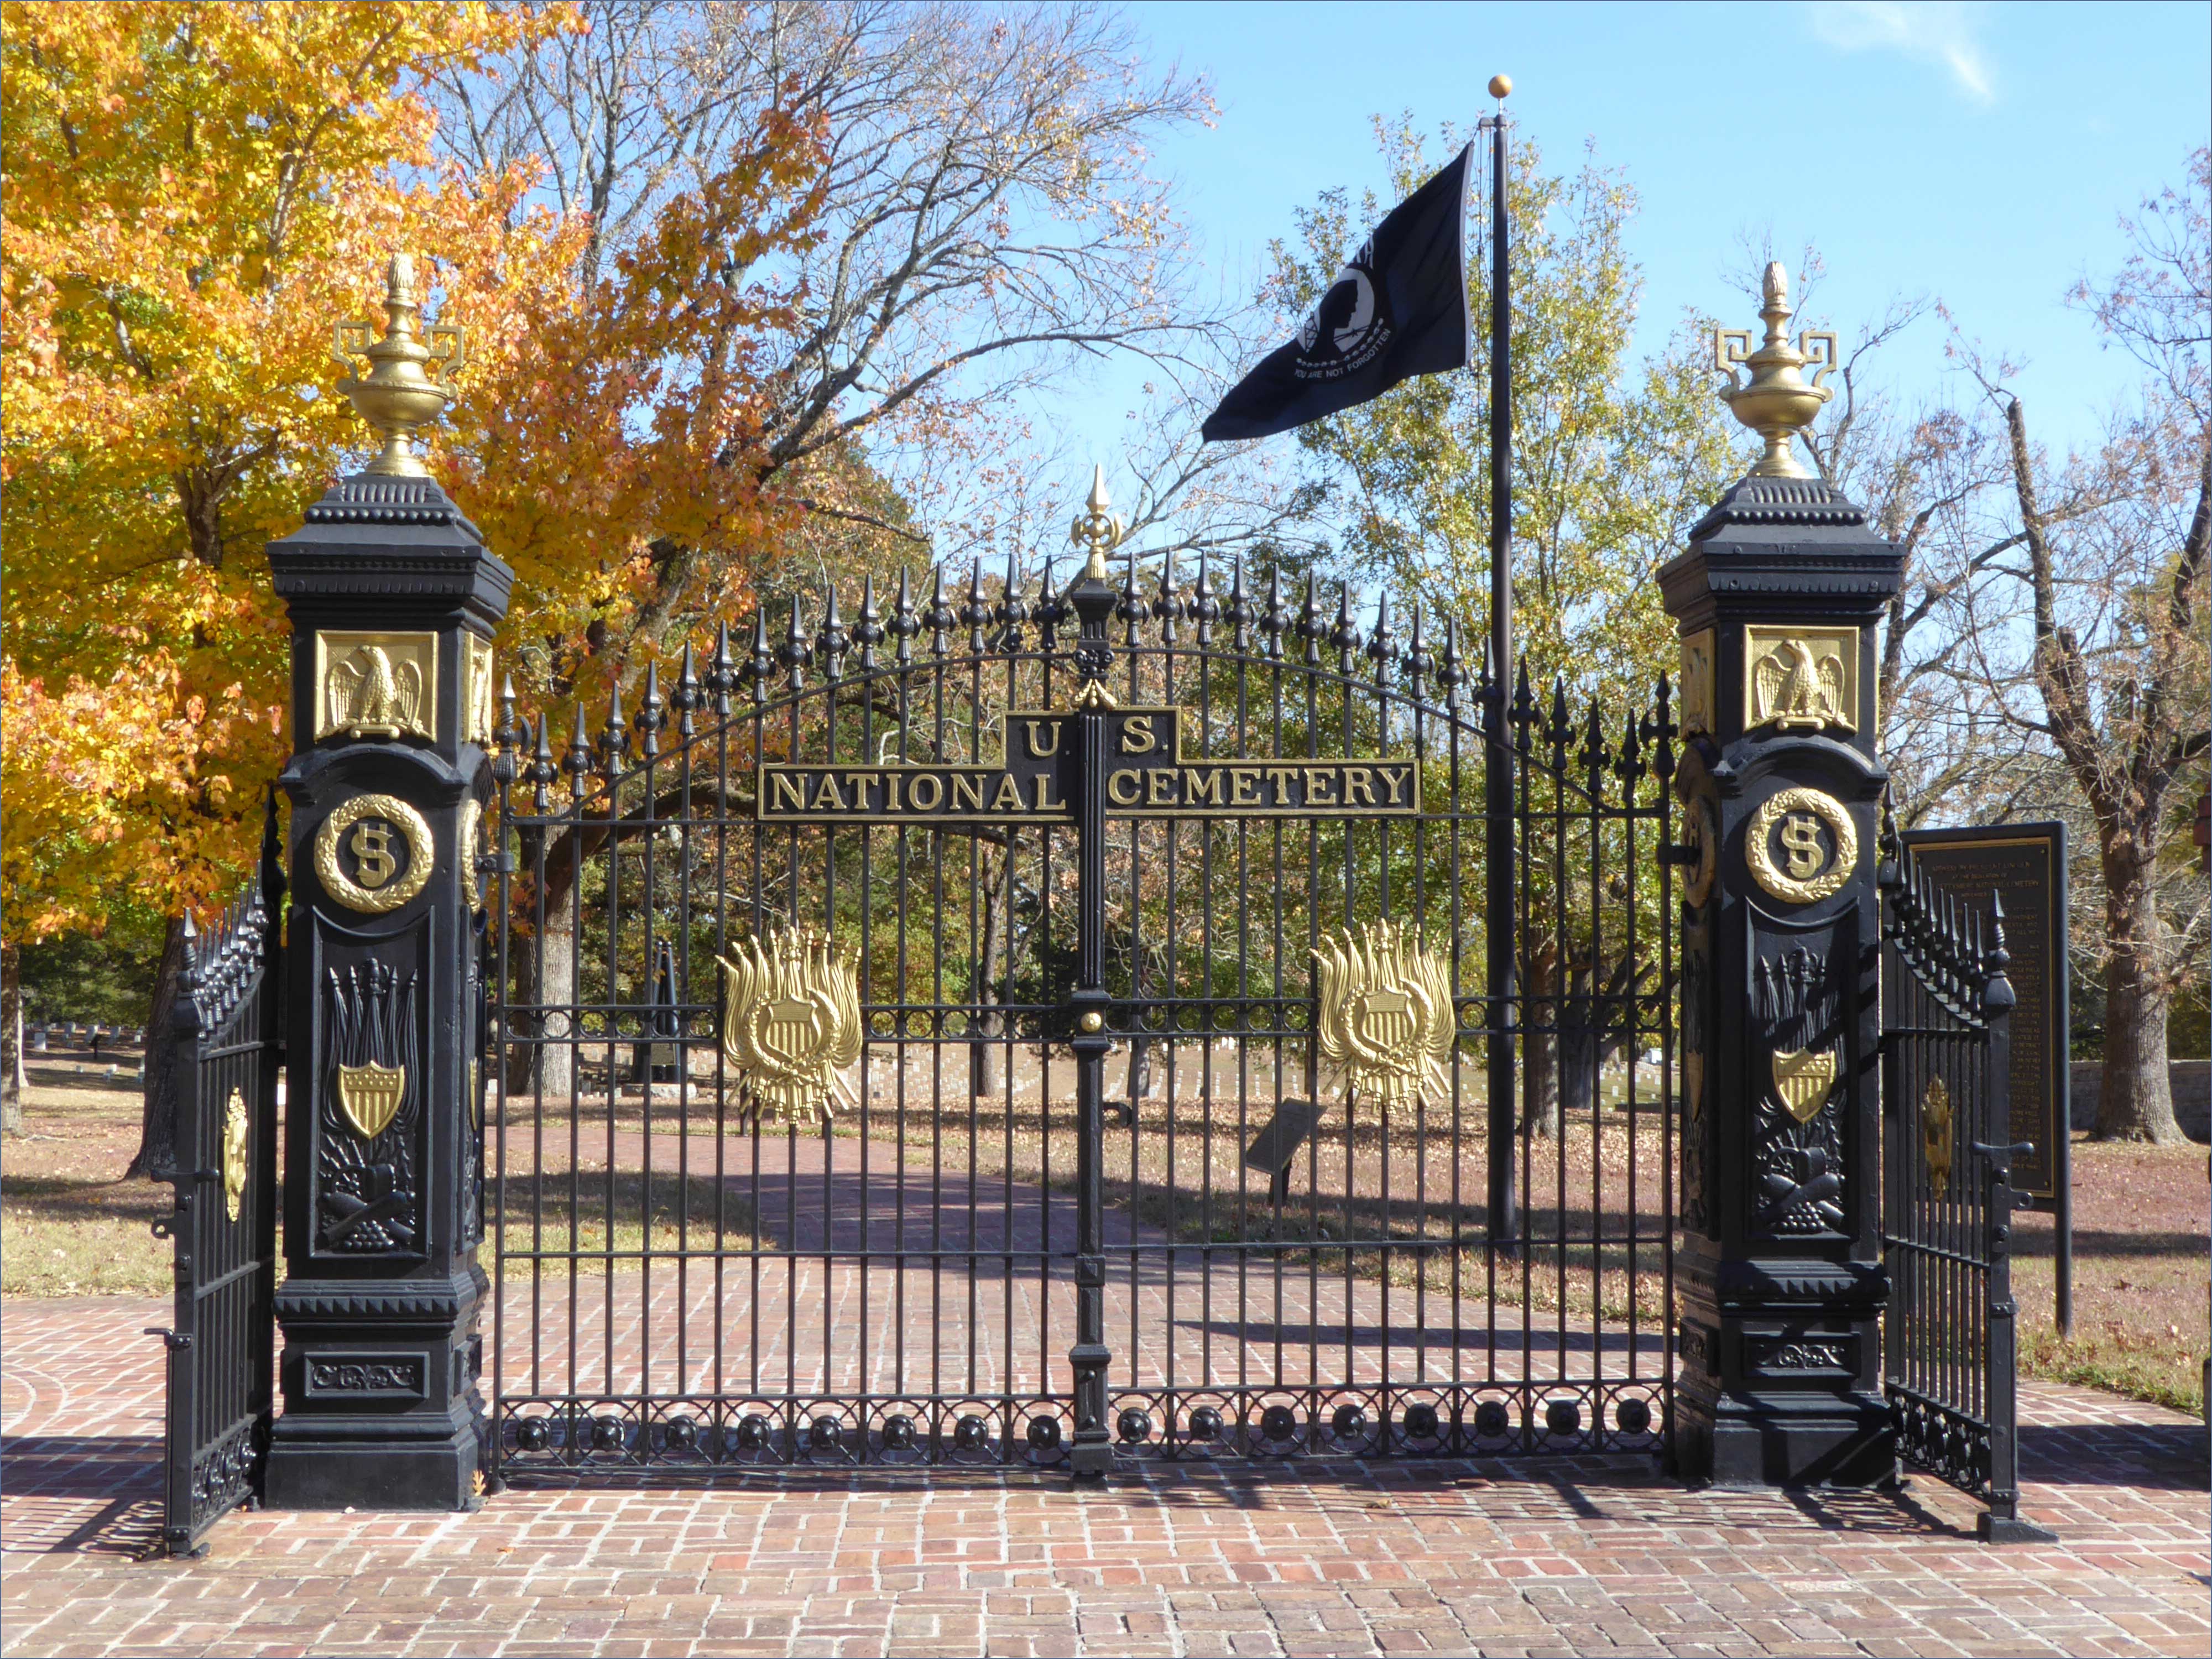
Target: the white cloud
(1930, 31)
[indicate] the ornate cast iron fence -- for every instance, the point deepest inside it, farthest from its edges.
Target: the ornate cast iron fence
(1949, 1348)
(1032, 1025)
(221, 1383)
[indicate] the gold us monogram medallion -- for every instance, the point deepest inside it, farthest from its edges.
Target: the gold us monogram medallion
(1795, 818)
(389, 844)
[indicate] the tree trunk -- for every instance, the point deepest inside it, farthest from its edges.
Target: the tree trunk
(156, 1156)
(2136, 1099)
(555, 1070)
(1540, 1045)
(986, 1073)
(11, 1040)
(1578, 1045)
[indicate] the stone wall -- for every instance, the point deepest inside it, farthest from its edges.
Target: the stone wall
(2192, 1095)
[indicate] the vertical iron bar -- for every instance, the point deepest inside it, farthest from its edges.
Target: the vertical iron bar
(1497, 755)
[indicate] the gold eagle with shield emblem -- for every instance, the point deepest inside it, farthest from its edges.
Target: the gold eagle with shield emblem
(1385, 1012)
(1935, 1134)
(791, 1022)
(235, 1138)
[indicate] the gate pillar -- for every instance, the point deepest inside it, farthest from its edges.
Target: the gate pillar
(393, 599)
(1780, 1276)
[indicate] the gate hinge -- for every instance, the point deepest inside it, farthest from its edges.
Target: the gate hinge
(175, 1341)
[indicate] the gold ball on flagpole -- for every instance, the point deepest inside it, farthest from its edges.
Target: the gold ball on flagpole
(1501, 86)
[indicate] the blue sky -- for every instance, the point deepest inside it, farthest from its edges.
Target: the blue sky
(1980, 154)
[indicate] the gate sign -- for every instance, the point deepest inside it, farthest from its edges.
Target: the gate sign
(1146, 776)
(2025, 864)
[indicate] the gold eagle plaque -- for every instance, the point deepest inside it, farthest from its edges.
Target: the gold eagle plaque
(376, 685)
(1385, 1012)
(370, 1095)
(791, 1022)
(1801, 679)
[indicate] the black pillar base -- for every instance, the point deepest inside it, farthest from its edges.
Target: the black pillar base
(2010, 1529)
(334, 1464)
(382, 1410)
(1786, 1440)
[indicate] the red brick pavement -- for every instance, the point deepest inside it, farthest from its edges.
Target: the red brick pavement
(990, 1276)
(1600, 1556)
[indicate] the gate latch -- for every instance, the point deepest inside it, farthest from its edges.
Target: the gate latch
(175, 1341)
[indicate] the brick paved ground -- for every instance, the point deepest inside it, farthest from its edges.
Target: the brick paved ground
(1600, 1556)
(987, 1266)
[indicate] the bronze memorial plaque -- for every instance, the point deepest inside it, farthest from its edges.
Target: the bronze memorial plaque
(2025, 864)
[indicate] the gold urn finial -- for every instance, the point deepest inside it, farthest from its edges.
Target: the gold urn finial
(398, 396)
(1097, 530)
(1777, 401)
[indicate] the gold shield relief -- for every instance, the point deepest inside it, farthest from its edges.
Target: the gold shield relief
(1802, 1080)
(369, 1095)
(1936, 1136)
(791, 1022)
(477, 698)
(1385, 1012)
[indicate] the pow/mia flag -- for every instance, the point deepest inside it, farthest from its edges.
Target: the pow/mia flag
(1398, 309)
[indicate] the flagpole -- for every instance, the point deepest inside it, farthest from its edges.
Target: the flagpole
(1498, 769)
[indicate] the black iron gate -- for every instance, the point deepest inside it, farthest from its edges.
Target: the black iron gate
(221, 1386)
(1949, 1346)
(1034, 1025)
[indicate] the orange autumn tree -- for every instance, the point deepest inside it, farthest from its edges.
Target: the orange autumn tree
(193, 193)
(610, 451)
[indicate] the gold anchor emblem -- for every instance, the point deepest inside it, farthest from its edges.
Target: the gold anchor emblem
(1385, 1012)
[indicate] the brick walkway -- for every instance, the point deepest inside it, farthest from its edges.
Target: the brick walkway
(1599, 1556)
(987, 1267)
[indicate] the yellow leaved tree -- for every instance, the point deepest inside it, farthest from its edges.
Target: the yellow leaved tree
(193, 193)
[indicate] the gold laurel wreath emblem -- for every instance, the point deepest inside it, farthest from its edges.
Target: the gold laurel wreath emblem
(1385, 1012)
(791, 1022)
(1803, 883)
(469, 842)
(396, 887)
(234, 1149)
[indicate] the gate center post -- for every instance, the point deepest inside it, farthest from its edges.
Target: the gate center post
(1093, 599)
